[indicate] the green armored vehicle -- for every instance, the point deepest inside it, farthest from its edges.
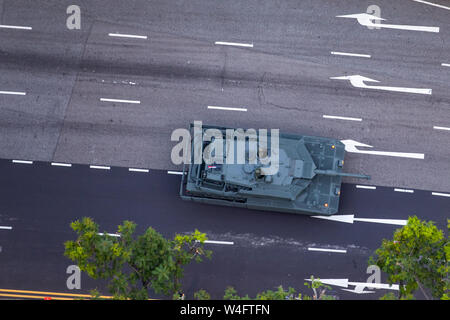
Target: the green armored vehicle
(306, 180)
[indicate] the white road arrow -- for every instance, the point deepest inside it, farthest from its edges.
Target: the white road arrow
(351, 146)
(366, 20)
(358, 290)
(350, 218)
(358, 82)
(359, 286)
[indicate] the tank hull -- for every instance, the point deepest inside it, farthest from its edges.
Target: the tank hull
(308, 181)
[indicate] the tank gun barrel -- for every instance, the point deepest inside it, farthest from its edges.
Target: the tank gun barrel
(341, 174)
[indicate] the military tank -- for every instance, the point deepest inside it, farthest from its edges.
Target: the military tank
(307, 180)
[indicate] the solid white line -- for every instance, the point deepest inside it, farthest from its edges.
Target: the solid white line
(350, 54)
(440, 194)
(138, 170)
(226, 108)
(119, 100)
(327, 250)
(445, 64)
(433, 4)
(365, 187)
(248, 45)
(61, 164)
(100, 167)
(120, 35)
(341, 118)
(5, 228)
(13, 92)
(441, 128)
(15, 27)
(175, 172)
(22, 161)
(403, 190)
(110, 234)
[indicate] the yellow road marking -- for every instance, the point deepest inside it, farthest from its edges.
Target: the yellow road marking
(32, 297)
(52, 293)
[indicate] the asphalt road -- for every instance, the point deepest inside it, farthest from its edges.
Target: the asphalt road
(52, 80)
(268, 249)
(177, 72)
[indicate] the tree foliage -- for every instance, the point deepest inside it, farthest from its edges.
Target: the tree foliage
(318, 288)
(134, 264)
(416, 258)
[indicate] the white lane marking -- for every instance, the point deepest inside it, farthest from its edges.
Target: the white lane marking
(357, 290)
(121, 35)
(100, 167)
(226, 108)
(18, 93)
(365, 19)
(433, 4)
(327, 250)
(337, 53)
(58, 164)
(357, 81)
(23, 161)
(445, 64)
(440, 194)
(138, 170)
(175, 172)
(441, 128)
(5, 228)
(359, 285)
(341, 118)
(350, 218)
(397, 222)
(403, 190)
(359, 186)
(110, 234)
(119, 100)
(15, 27)
(248, 45)
(217, 242)
(351, 146)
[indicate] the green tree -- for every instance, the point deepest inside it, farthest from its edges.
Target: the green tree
(416, 258)
(319, 290)
(202, 295)
(134, 264)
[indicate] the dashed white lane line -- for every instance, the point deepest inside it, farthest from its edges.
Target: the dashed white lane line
(110, 234)
(17, 93)
(121, 35)
(58, 164)
(138, 170)
(341, 118)
(4, 26)
(365, 187)
(227, 108)
(445, 64)
(99, 167)
(236, 44)
(440, 194)
(441, 128)
(433, 4)
(403, 190)
(22, 161)
(327, 250)
(175, 172)
(217, 242)
(5, 228)
(350, 54)
(119, 100)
